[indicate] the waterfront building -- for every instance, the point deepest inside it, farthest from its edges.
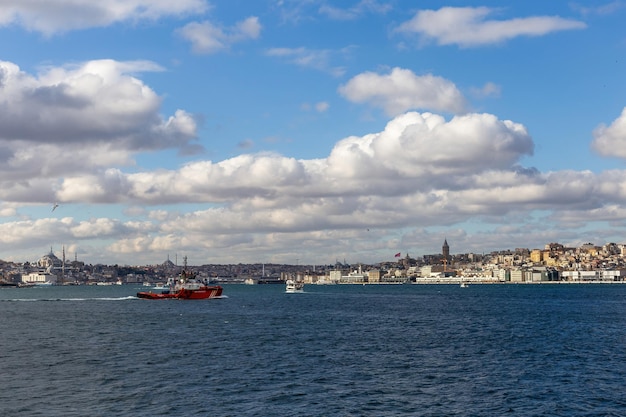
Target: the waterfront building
(597, 275)
(535, 255)
(516, 275)
(354, 277)
(39, 278)
(373, 276)
(613, 275)
(436, 270)
(503, 274)
(335, 275)
(579, 275)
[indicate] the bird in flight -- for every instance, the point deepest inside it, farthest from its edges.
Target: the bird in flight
(54, 206)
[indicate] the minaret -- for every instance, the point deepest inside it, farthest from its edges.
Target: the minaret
(445, 250)
(63, 267)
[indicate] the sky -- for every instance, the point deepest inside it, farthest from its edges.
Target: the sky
(308, 131)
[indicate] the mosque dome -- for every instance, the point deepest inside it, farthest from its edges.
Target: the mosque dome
(49, 260)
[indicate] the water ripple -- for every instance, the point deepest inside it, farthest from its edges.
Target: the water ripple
(332, 351)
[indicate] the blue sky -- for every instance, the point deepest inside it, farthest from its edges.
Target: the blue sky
(308, 130)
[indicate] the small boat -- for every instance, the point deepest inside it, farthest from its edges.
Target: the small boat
(161, 287)
(294, 286)
(185, 287)
(464, 285)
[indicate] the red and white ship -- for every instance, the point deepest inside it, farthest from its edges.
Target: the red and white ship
(185, 287)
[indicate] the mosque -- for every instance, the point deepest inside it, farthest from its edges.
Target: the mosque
(45, 274)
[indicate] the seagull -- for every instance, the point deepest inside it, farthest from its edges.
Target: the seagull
(54, 206)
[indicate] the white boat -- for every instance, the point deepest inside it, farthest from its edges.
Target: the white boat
(294, 286)
(464, 285)
(161, 287)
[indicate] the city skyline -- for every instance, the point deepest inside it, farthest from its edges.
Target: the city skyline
(286, 131)
(400, 257)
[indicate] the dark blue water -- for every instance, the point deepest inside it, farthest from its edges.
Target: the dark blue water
(403, 350)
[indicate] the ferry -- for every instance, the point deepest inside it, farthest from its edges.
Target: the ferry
(294, 286)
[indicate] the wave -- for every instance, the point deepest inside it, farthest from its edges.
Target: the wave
(128, 297)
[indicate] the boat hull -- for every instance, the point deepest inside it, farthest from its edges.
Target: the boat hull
(201, 293)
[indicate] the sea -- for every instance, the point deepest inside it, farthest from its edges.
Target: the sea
(336, 350)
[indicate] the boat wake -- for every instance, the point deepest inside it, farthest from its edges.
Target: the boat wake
(129, 297)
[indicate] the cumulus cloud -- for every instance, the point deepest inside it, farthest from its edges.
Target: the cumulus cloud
(208, 38)
(99, 109)
(611, 140)
(402, 90)
(470, 26)
(109, 186)
(418, 145)
(50, 17)
(39, 231)
(421, 169)
(7, 210)
(415, 152)
(96, 100)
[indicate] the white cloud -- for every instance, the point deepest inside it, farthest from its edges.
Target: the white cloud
(356, 11)
(107, 187)
(488, 90)
(208, 38)
(453, 170)
(318, 59)
(249, 28)
(96, 228)
(427, 148)
(402, 90)
(611, 140)
(53, 16)
(7, 210)
(320, 106)
(415, 152)
(604, 9)
(97, 111)
(94, 100)
(469, 26)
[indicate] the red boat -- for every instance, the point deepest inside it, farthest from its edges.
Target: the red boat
(185, 287)
(196, 293)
